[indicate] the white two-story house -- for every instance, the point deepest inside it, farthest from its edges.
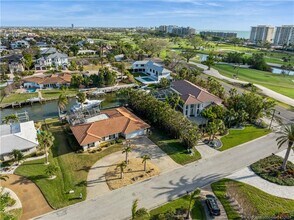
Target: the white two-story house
(55, 59)
(154, 71)
(194, 98)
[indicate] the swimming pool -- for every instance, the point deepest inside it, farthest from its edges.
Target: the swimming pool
(147, 79)
(30, 90)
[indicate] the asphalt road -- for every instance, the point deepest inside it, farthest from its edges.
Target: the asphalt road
(168, 186)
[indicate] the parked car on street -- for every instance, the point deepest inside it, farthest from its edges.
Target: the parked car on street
(212, 205)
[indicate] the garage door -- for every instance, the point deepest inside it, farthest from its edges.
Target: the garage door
(135, 134)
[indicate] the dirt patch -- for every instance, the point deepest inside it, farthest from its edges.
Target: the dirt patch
(134, 172)
(32, 200)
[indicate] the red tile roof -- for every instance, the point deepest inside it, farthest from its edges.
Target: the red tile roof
(120, 120)
(192, 94)
(53, 79)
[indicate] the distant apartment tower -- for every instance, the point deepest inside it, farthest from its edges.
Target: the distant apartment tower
(218, 34)
(284, 35)
(262, 33)
(173, 29)
(72, 26)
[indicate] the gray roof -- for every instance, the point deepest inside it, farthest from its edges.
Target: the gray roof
(141, 62)
(48, 51)
(20, 136)
(57, 55)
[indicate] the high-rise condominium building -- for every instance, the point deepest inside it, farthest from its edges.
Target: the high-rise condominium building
(262, 33)
(284, 35)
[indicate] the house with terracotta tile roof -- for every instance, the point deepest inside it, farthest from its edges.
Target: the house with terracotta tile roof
(194, 98)
(52, 81)
(109, 125)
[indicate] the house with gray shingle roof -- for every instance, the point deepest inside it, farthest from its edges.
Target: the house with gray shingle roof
(51, 58)
(19, 136)
(194, 98)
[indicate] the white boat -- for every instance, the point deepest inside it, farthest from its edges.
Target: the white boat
(88, 104)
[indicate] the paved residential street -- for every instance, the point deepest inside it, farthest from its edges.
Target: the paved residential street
(167, 186)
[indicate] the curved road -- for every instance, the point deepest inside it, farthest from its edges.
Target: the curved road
(264, 90)
(167, 186)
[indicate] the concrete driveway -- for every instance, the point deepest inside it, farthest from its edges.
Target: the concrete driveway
(32, 200)
(96, 182)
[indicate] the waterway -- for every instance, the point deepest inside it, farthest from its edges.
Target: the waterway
(49, 109)
(279, 71)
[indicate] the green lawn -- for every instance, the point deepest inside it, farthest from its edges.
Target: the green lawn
(275, 82)
(237, 137)
(269, 168)
(55, 93)
(173, 147)
(72, 174)
(264, 205)
(47, 94)
(197, 211)
(16, 97)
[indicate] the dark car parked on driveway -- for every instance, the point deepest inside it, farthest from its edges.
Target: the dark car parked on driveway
(212, 205)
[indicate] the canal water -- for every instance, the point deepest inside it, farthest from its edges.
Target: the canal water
(49, 109)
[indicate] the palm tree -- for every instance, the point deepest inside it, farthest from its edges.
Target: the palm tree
(11, 119)
(122, 167)
(287, 135)
(192, 196)
(127, 149)
(46, 140)
(4, 177)
(62, 102)
(139, 213)
(51, 170)
(81, 97)
(144, 160)
(18, 155)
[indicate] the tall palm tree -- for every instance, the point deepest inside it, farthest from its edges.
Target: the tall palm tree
(144, 160)
(4, 177)
(46, 140)
(138, 213)
(192, 196)
(287, 136)
(126, 150)
(62, 102)
(122, 167)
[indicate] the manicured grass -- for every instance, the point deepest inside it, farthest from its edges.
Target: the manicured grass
(174, 148)
(263, 204)
(197, 211)
(47, 94)
(237, 137)
(269, 169)
(275, 82)
(55, 93)
(18, 97)
(72, 173)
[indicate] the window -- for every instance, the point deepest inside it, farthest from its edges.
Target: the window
(187, 106)
(142, 64)
(112, 136)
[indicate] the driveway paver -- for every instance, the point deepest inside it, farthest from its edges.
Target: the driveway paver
(96, 182)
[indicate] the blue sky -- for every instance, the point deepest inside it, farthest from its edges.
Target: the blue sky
(200, 14)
